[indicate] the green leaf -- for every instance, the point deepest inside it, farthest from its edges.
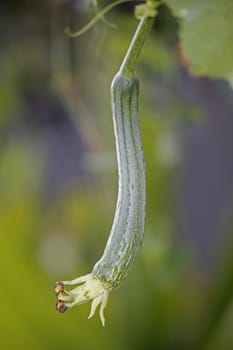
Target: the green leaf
(206, 35)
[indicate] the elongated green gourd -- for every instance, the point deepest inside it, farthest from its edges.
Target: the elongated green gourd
(127, 231)
(126, 236)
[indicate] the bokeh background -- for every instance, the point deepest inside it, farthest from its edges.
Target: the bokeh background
(58, 184)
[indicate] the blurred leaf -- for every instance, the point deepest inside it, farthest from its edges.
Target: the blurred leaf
(206, 33)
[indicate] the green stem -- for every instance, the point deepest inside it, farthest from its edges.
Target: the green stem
(146, 13)
(129, 63)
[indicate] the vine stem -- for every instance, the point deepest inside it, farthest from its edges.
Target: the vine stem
(128, 65)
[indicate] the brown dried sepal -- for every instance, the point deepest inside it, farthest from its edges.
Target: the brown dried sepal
(60, 306)
(59, 288)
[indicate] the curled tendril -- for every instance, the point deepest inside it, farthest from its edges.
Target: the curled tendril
(146, 9)
(143, 10)
(99, 16)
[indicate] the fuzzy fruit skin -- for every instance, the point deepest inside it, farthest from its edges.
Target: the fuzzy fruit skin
(127, 231)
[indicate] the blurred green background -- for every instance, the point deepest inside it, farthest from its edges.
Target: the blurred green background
(58, 184)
